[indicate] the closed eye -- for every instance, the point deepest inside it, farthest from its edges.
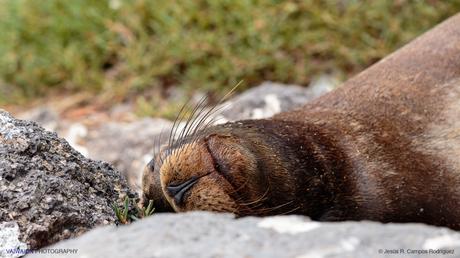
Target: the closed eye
(220, 168)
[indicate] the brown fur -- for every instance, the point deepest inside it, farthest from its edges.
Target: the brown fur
(385, 146)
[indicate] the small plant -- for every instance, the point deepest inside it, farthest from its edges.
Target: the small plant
(122, 214)
(126, 216)
(143, 212)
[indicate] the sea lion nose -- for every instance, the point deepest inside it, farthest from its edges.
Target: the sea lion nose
(177, 191)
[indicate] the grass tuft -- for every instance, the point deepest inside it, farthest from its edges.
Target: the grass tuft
(125, 216)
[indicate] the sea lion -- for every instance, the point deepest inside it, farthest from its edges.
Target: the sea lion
(384, 146)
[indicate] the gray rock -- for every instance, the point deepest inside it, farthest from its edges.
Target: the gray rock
(9, 240)
(109, 140)
(270, 98)
(201, 234)
(48, 188)
(44, 116)
(128, 146)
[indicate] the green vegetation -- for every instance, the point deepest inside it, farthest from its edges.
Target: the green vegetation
(125, 215)
(121, 49)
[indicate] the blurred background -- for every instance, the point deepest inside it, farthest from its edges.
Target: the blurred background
(84, 67)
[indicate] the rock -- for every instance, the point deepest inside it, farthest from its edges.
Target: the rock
(74, 135)
(270, 98)
(9, 238)
(108, 139)
(128, 146)
(200, 234)
(44, 116)
(50, 190)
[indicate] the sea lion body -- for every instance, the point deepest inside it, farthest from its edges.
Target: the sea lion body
(384, 146)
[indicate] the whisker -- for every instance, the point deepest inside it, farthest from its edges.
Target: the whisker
(192, 118)
(235, 191)
(290, 211)
(217, 107)
(189, 124)
(224, 98)
(154, 149)
(178, 118)
(158, 147)
(258, 200)
(190, 127)
(268, 210)
(204, 124)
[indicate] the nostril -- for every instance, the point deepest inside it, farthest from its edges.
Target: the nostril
(178, 191)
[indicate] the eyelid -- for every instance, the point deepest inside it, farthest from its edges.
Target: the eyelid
(217, 166)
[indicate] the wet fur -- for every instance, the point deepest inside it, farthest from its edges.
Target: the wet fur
(384, 146)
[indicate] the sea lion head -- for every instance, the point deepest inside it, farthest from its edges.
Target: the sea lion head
(225, 168)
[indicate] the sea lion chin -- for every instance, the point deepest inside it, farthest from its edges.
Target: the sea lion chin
(384, 146)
